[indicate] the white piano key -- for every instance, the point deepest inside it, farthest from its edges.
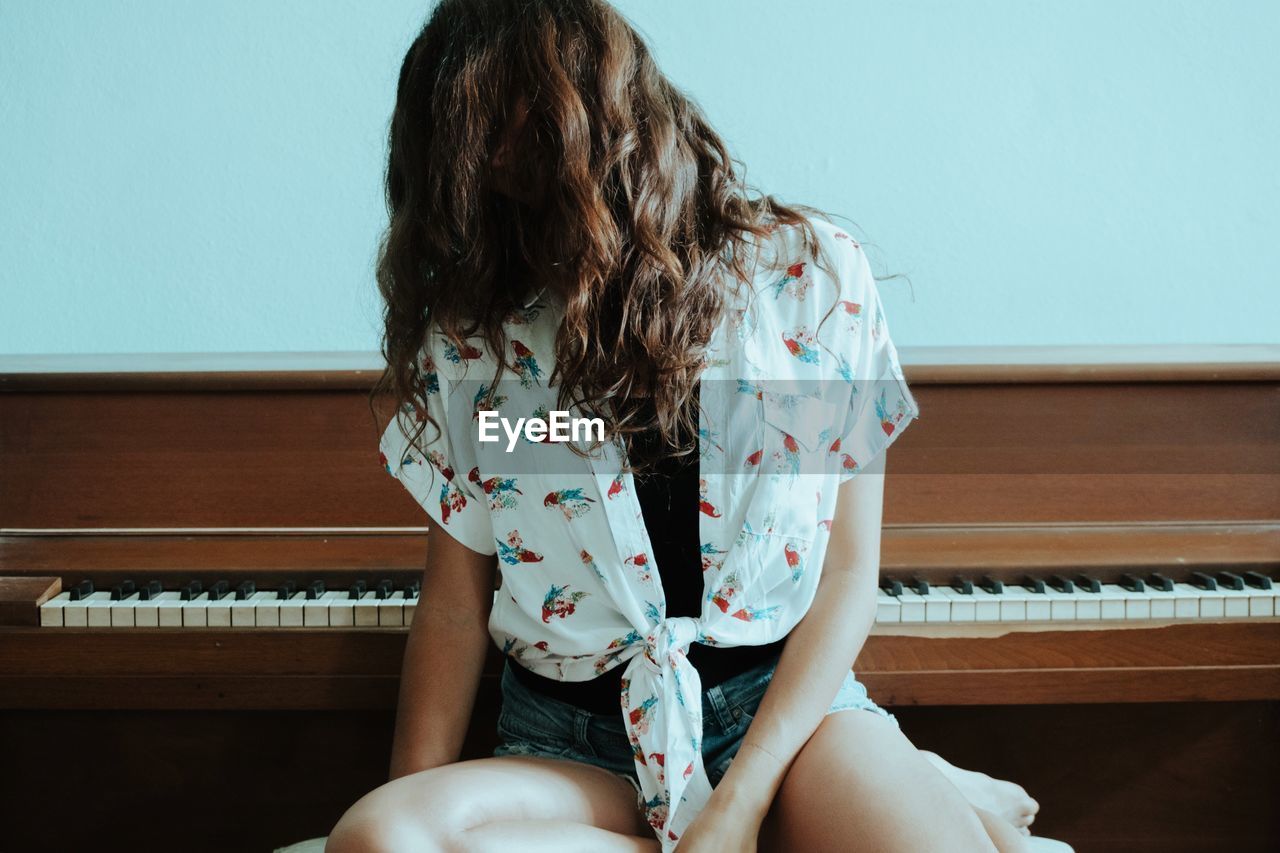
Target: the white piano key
(391, 610)
(1213, 604)
(244, 612)
(1262, 602)
(366, 610)
(75, 614)
(121, 612)
(1013, 604)
(1137, 607)
(1114, 601)
(986, 606)
(1186, 601)
(912, 606)
(169, 609)
(219, 612)
(937, 607)
(1088, 606)
(888, 608)
(1062, 607)
(410, 607)
(315, 613)
(342, 610)
(1039, 608)
(51, 611)
(98, 610)
(195, 611)
(291, 611)
(1163, 604)
(147, 613)
(266, 610)
(963, 607)
(1235, 603)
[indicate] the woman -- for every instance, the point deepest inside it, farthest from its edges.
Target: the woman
(568, 234)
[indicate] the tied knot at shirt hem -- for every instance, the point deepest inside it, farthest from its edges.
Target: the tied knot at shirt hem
(662, 711)
(671, 635)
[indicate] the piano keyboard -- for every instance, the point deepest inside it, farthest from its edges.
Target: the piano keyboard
(1225, 595)
(1080, 598)
(219, 606)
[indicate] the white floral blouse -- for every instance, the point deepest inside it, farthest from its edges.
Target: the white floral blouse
(802, 388)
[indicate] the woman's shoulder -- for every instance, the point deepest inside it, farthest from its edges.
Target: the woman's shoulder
(802, 269)
(814, 245)
(527, 332)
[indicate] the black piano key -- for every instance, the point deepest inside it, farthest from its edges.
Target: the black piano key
(82, 590)
(1033, 584)
(413, 589)
(1061, 583)
(1203, 581)
(1155, 580)
(122, 590)
(1087, 583)
(991, 585)
(245, 590)
(1228, 580)
(1133, 583)
(315, 589)
(383, 589)
(191, 591)
(218, 590)
(150, 591)
(920, 585)
(357, 590)
(1257, 580)
(962, 585)
(286, 590)
(891, 586)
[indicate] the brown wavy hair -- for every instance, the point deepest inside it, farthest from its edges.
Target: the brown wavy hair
(536, 145)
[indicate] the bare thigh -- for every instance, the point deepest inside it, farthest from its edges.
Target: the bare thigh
(859, 785)
(432, 809)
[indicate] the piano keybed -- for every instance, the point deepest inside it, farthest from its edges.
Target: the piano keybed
(1081, 598)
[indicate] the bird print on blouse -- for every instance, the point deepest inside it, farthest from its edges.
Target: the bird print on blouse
(572, 502)
(502, 491)
(579, 591)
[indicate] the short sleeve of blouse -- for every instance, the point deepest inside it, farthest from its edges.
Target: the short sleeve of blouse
(880, 405)
(436, 469)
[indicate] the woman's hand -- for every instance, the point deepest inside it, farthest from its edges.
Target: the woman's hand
(725, 825)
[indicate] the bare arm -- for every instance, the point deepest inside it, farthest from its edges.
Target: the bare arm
(819, 651)
(443, 657)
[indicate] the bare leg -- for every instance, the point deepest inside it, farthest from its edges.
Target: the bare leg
(549, 834)
(1007, 800)
(1003, 834)
(859, 784)
(506, 802)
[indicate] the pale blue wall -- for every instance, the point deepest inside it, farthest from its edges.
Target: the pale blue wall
(193, 176)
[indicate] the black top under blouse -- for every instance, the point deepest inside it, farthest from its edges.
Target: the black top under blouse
(670, 502)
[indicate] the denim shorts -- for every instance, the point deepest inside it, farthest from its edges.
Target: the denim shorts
(531, 723)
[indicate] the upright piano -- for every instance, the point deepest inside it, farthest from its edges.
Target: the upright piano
(206, 578)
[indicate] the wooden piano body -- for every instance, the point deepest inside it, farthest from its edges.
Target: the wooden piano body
(1133, 736)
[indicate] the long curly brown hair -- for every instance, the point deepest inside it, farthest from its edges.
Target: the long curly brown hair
(536, 145)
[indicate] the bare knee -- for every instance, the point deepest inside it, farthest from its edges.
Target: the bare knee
(375, 826)
(859, 784)
(1004, 836)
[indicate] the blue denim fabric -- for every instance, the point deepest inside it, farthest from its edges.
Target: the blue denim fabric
(530, 723)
